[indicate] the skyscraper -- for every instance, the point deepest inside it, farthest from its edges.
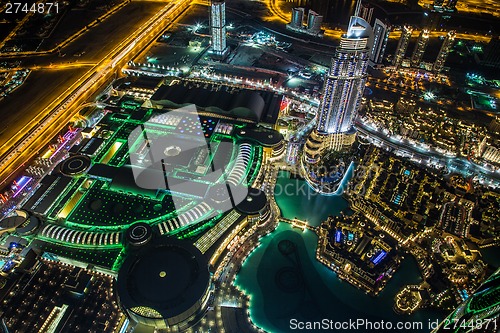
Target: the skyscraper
(419, 50)
(218, 27)
(444, 51)
(342, 93)
(366, 12)
(403, 43)
(297, 17)
(380, 36)
(346, 80)
(314, 21)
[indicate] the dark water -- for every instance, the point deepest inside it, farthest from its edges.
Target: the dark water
(491, 255)
(286, 282)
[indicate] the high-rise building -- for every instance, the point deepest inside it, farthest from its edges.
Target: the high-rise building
(444, 51)
(314, 21)
(297, 17)
(380, 36)
(403, 43)
(418, 52)
(342, 93)
(218, 27)
(478, 310)
(345, 82)
(366, 12)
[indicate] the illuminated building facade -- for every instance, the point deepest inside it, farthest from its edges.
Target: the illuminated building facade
(380, 36)
(297, 17)
(345, 81)
(218, 27)
(312, 25)
(342, 93)
(444, 51)
(403, 43)
(314, 21)
(491, 154)
(418, 53)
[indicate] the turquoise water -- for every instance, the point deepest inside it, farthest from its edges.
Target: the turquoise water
(297, 200)
(285, 286)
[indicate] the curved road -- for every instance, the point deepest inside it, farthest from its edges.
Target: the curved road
(427, 154)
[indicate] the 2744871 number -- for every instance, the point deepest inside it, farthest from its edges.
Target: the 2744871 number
(40, 8)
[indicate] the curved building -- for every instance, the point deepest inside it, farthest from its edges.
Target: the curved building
(164, 284)
(74, 165)
(19, 221)
(479, 313)
(245, 104)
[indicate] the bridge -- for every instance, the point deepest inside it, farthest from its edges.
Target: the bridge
(296, 223)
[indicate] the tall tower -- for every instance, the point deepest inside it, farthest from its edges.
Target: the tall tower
(380, 36)
(342, 93)
(403, 43)
(218, 27)
(418, 53)
(444, 51)
(297, 17)
(314, 21)
(345, 82)
(366, 12)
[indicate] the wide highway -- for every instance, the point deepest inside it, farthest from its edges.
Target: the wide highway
(21, 147)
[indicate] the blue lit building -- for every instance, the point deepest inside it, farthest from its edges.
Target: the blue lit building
(342, 93)
(218, 28)
(345, 82)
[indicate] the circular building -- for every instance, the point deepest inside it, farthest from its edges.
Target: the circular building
(19, 221)
(254, 203)
(255, 206)
(29, 226)
(139, 234)
(74, 165)
(164, 284)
